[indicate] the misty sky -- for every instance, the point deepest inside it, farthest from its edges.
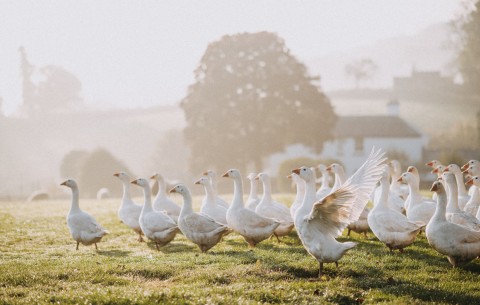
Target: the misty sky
(143, 53)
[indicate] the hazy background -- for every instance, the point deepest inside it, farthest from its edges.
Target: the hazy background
(141, 56)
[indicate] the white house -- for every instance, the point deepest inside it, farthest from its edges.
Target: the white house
(355, 136)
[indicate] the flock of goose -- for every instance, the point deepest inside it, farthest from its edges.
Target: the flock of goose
(450, 220)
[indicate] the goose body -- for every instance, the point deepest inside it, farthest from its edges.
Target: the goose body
(300, 185)
(199, 228)
(129, 211)
(83, 227)
(418, 209)
(390, 226)
(209, 205)
(157, 226)
(318, 223)
(272, 209)
(253, 227)
(361, 225)
(252, 200)
(212, 175)
(162, 202)
(458, 243)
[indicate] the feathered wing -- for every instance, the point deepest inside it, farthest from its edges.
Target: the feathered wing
(252, 219)
(345, 205)
(201, 223)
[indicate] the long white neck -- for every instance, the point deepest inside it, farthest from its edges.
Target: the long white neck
(75, 207)
(452, 205)
(147, 198)
(395, 185)
(209, 194)
(253, 189)
(267, 191)
(325, 182)
(462, 190)
(310, 196)
(126, 192)
(237, 193)
(213, 180)
(384, 190)
(161, 189)
(414, 189)
(339, 179)
(187, 203)
(300, 190)
(441, 207)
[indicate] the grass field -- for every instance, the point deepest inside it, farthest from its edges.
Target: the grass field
(39, 264)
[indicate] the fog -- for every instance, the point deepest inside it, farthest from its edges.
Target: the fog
(110, 75)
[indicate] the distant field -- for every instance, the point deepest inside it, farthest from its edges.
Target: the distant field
(39, 264)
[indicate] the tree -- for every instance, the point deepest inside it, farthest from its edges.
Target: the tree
(59, 90)
(252, 98)
(171, 156)
(467, 29)
(97, 172)
(72, 163)
(360, 70)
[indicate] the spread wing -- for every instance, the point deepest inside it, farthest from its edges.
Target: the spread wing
(345, 205)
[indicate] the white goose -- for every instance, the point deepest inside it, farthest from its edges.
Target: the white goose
(83, 227)
(162, 202)
(395, 200)
(272, 209)
(458, 243)
(473, 164)
(129, 211)
(200, 229)
(454, 213)
(157, 226)
(252, 200)
(473, 170)
(318, 223)
(212, 175)
(390, 226)
(473, 205)
(397, 187)
(463, 196)
(297, 202)
(253, 227)
(418, 209)
(209, 205)
(325, 188)
(340, 176)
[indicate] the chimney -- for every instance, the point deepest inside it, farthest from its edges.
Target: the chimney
(393, 108)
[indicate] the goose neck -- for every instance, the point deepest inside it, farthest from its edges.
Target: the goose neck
(187, 203)
(300, 191)
(462, 190)
(325, 181)
(237, 193)
(209, 194)
(452, 201)
(253, 189)
(384, 189)
(75, 204)
(310, 195)
(441, 208)
(147, 198)
(126, 191)
(267, 191)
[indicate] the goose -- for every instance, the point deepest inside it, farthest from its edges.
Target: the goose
(339, 173)
(269, 208)
(418, 209)
(129, 211)
(470, 163)
(253, 199)
(396, 202)
(454, 213)
(439, 172)
(434, 164)
(209, 205)
(390, 226)
(157, 226)
(458, 243)
(473, 170)
(318, 223)
(472, 205)
(325, 186)
(300, 184)
(396, 172)
(475, 181)
(212, 175)
(83, 227)
(253, 227)
(199, 228)
(361, 225)
(412, 169)
(463, 196)
(162, 202)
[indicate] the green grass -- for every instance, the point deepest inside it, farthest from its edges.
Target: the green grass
(39, 264)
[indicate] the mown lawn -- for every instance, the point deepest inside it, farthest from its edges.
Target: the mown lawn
(39, 264)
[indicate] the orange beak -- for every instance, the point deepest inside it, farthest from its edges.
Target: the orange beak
(296, 171)
(257, 178)
(172, 190)
(116, 174)
(400, 179)
(446, 170)
(469, 182)
(225, 175)
(64, 183)
(329, 169)
(429, 164)
(434, 187)
(410, 169)
(465, 167)
(466, 171)
(289, 176)
(197, 182)
(134, 181)
(205, 173)
(154, 176)
(435, 171)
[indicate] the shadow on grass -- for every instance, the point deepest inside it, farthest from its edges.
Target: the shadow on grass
(174, 247)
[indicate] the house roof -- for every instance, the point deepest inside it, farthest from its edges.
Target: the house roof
(385, 126)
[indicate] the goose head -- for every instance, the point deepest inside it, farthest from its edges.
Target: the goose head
(452, 168)
(437, 187)
(470, 163)
(232, 173)
(262, 177)
(334, 168)
(69, 183)
(203, 181)
(438, 170)
(433, 163)
(141, 182)
(412, 169)
(473, 181)
(322, 168)
(472, 169)
(156, 176)
(210, 173)
(449, 178)
(406, 177)
(304, 172)
(180, 189)
(395, 166)
(251, 176)
(122, 176)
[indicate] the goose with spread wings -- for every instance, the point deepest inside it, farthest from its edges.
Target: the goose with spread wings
(318, 223)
